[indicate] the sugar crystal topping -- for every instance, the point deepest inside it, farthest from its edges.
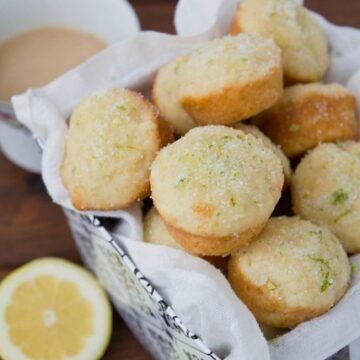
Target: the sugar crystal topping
(230, 60)
(229, 172)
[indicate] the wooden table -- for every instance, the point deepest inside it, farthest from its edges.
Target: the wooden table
(31, 226)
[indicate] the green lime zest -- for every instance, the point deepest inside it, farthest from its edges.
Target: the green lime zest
(121, 147)
(328, 276)
(181, 181)
(327, 282)
(270, 285)
(177, 68)
(228, 138)
(342, 215)
(339, 143)
(121, 107)
(354, 269)
(339, 197)
(294, 127)
(317, 233)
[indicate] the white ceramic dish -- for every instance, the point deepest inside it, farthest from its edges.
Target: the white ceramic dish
(110, 20)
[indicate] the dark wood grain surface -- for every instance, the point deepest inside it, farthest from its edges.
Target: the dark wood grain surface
(31, 226)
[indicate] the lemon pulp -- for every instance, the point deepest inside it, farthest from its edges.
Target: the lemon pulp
(51, 317)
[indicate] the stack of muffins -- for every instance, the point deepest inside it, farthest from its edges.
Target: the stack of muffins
(215, 187)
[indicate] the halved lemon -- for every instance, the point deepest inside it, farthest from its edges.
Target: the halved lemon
(52, 309)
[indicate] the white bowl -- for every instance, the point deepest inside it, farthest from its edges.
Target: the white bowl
(110, 20)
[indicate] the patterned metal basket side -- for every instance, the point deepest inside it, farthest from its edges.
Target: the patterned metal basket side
(151, 320)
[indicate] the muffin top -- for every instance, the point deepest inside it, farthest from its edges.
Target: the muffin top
(230, 60)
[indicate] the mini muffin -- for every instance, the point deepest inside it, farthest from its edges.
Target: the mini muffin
(215, 188)
(326, 190)
(308, 115)
(249, 129)
(114, 136)
(231, 79)
(155, 232)
(165, 95)
(293, 272)
(293, 29)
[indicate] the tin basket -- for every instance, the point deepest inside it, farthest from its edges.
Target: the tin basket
(151, 320)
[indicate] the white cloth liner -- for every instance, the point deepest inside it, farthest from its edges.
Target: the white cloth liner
(199, 293)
